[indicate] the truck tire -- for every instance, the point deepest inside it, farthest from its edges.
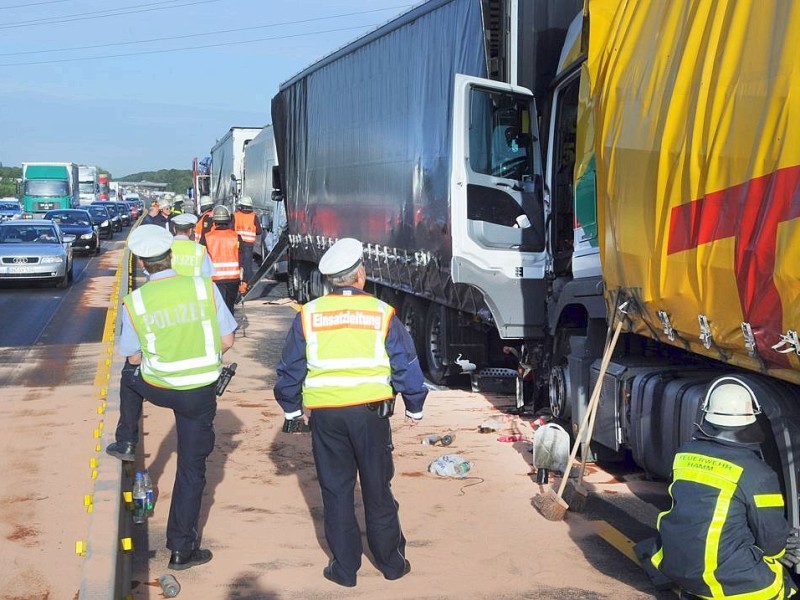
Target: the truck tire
(412, 315)
(435, 345)
(559, 385)
(297, 283)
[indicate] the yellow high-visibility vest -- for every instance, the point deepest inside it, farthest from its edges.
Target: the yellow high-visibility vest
(176, 321)
(187, 257)
(345, 350)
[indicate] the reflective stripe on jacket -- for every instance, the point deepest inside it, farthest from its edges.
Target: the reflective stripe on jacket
(726, 529)
(187, 257)
(245, 225)
(346, 350)
(176, 321)
(223, 248)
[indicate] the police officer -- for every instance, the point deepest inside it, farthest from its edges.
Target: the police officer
(726, 534)
(223, 245)
(247, 226)
(188, 256)
(174, 332)
(345, 357)
(204, 222)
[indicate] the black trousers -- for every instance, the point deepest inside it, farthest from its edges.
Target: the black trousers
(229, 288)
(354, 441)
(247, 260)
(194, 412)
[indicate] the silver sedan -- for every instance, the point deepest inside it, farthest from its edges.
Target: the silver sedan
(35, 250)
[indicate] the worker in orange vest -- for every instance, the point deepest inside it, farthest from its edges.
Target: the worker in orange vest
(247, 226)
(223, 244)
(204, 221)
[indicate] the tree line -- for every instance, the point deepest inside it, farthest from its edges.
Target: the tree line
(177, 180)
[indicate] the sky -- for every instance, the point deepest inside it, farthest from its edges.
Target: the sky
(82, 81)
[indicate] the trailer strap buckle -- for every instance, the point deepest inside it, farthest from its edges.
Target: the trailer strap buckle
(789, 343)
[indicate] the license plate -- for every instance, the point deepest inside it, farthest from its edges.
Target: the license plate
(13, 270)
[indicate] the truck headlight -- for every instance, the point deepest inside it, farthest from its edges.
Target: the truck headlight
(46, 260)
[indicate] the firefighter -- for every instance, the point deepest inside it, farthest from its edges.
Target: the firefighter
(177, 205)
(188, 256)
(224, 245)
(726, 534)
(247, 226)
(204, 222)
(159, 214)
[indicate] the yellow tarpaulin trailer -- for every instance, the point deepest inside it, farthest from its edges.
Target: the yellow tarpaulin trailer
(696, 109)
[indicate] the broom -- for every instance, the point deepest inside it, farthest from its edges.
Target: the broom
(552, 505)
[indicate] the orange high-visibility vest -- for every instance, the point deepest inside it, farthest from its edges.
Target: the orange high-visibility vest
(245, 225)
(204, 224)
(223, 248)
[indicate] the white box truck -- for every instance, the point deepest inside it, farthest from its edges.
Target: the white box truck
(227, 164)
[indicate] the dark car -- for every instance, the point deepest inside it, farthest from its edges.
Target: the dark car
(124, 213)
(116, 220)
(136, 208)
(102, 220)
(77, 222)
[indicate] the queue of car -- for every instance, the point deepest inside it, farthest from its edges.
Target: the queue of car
(41, 249)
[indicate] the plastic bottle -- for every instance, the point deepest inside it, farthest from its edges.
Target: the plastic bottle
(169, 585)
(460, 469)
(148, 492)
(448, 439)
(139, 500)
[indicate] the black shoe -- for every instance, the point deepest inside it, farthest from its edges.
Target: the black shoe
(406, 571)
(124, 451)
(328, 574)
(184, 560)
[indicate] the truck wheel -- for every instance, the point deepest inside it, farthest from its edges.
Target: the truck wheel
(559, 384)
(297, 283)
(435, 346)
(559, 398)
(412, 315)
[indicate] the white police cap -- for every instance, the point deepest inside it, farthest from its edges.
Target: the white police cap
(184, 219)
(341, 258)
(150, 241)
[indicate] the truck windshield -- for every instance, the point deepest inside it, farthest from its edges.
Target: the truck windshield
(86, 188)
(500, 139)
(45, 187)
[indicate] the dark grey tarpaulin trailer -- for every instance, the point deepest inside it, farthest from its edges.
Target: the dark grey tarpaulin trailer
(371, 140)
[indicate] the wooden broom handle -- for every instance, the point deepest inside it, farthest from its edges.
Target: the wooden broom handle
(592, 406)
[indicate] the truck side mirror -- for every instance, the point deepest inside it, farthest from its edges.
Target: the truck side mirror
(276, 178)
(277, 196)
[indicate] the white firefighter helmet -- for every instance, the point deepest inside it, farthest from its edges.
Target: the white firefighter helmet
(221, 214)
(730, 402)
(205, 202)
(246, 201)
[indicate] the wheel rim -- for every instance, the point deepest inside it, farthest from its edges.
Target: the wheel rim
(558, 391)
(410, 318)
(435, 344)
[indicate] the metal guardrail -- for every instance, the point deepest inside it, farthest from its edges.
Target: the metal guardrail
(106, 573)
